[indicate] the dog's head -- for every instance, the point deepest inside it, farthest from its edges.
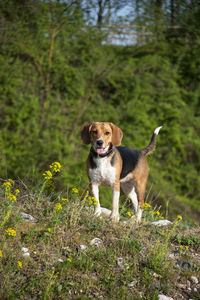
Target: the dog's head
(101, 135)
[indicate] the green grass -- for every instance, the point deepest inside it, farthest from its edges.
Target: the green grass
(58, 269)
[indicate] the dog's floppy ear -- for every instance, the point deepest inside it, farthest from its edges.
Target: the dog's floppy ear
(85, 133)
(117, 135)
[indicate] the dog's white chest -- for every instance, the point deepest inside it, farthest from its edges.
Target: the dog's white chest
(104, 173)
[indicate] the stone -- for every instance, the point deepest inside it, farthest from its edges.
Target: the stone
(25, 252)
(132, 283)
(24, 249)
(161, 223)
(82, 247)
(60, 260)
(28, 217)
(96, 242)
(121, 263)
(163, 297)
(186, 265)
(181, 285)
(194, 279)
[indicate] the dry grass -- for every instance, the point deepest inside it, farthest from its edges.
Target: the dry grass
(58, 269)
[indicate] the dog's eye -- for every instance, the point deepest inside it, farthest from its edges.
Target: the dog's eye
(94, 131)
(107, 132)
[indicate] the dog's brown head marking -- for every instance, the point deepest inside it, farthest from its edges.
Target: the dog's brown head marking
(101, 135)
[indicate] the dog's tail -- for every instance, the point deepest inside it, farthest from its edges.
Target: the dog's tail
(149, 149)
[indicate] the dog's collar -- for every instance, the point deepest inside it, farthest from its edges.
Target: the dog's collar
(109, 152)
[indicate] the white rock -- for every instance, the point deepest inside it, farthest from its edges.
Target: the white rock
(163, 297)
(132, 283)
(28, 217)
(96, 242)
(181, 286)
(195, 289)
(156, 275)
(60, 260)
(105, 211)
(161, 223)
(24, 249)
(83, 247)
(26, 254)
(121, 263)
(194, 279)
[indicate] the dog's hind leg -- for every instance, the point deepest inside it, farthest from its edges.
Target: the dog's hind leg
(129, 189)
(140, 190)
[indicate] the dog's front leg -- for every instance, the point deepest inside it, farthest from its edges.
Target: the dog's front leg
(94, 190)
(115, 203)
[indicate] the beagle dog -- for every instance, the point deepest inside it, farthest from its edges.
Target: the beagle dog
(109, 164)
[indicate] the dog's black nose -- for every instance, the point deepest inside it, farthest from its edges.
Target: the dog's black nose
(100, 143)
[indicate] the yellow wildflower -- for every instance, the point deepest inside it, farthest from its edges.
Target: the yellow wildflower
(186, 247)
(49, 229)
(7, 185)
(94, 201)
(179, 217)
(75, 190)
(47, 175)
(11, 232)
(181, 246)
(58, 206)
(65, 199)
(157, 213)
(12, 197)
(11, 181)
(69, 260)
(19, 264)
(146, 205)
(129, 213)
(1, 254)
(56, 166)
(17, 191)
(91, 200)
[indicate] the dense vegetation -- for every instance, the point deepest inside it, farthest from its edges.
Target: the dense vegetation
(57, 72)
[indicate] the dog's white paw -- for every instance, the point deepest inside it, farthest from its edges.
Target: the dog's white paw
(139, 215)
(97, 212)
(114, 218)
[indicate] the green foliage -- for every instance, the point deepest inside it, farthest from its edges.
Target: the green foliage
(186, 240)
(56, 73)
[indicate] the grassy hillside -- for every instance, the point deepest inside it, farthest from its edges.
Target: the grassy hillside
(51, 256)
(57, 73)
